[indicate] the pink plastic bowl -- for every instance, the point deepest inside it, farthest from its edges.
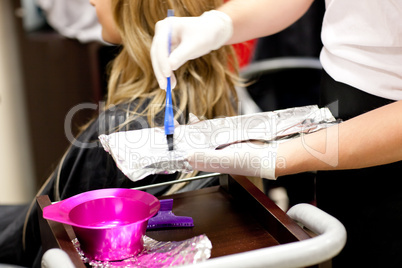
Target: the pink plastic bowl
(109, 223)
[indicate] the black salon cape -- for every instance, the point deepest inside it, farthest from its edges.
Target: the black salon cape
(85, 167)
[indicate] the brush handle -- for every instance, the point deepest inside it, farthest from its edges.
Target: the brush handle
(169, 118)
(165, 217)
(166, 205)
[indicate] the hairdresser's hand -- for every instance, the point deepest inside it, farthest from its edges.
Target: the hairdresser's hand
(192, 37)
(247, 159)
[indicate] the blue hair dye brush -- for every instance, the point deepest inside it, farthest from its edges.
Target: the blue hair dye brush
(169, 117)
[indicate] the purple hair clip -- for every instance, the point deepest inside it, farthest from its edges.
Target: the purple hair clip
(166, 219)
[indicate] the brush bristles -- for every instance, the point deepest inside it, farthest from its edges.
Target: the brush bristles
(170, 142)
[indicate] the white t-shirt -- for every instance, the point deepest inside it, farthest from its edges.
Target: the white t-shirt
(363, 45)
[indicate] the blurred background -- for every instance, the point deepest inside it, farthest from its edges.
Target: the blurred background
(51, 60)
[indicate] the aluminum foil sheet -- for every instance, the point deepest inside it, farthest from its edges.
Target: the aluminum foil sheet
(158, 254)
(140, 153)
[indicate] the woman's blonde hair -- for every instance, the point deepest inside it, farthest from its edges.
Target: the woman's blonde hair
(205, 86)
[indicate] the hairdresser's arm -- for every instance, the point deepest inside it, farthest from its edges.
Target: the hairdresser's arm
(236, 21)
(257, 18)
(371, 139)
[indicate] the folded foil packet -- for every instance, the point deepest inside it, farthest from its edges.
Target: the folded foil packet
(139, 153)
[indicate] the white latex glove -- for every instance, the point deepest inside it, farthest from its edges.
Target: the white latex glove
(247, 159)
(192, 37)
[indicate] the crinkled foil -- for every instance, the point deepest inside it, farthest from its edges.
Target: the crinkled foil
(140, 153)
(159, 254)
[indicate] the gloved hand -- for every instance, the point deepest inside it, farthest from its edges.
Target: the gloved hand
(247, 159)
(191, 37)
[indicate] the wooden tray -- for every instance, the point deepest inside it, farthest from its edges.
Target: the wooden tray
(236, 216)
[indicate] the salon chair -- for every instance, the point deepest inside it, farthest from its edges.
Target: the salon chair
(278, 64)
(329, 240)
(256, 72)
